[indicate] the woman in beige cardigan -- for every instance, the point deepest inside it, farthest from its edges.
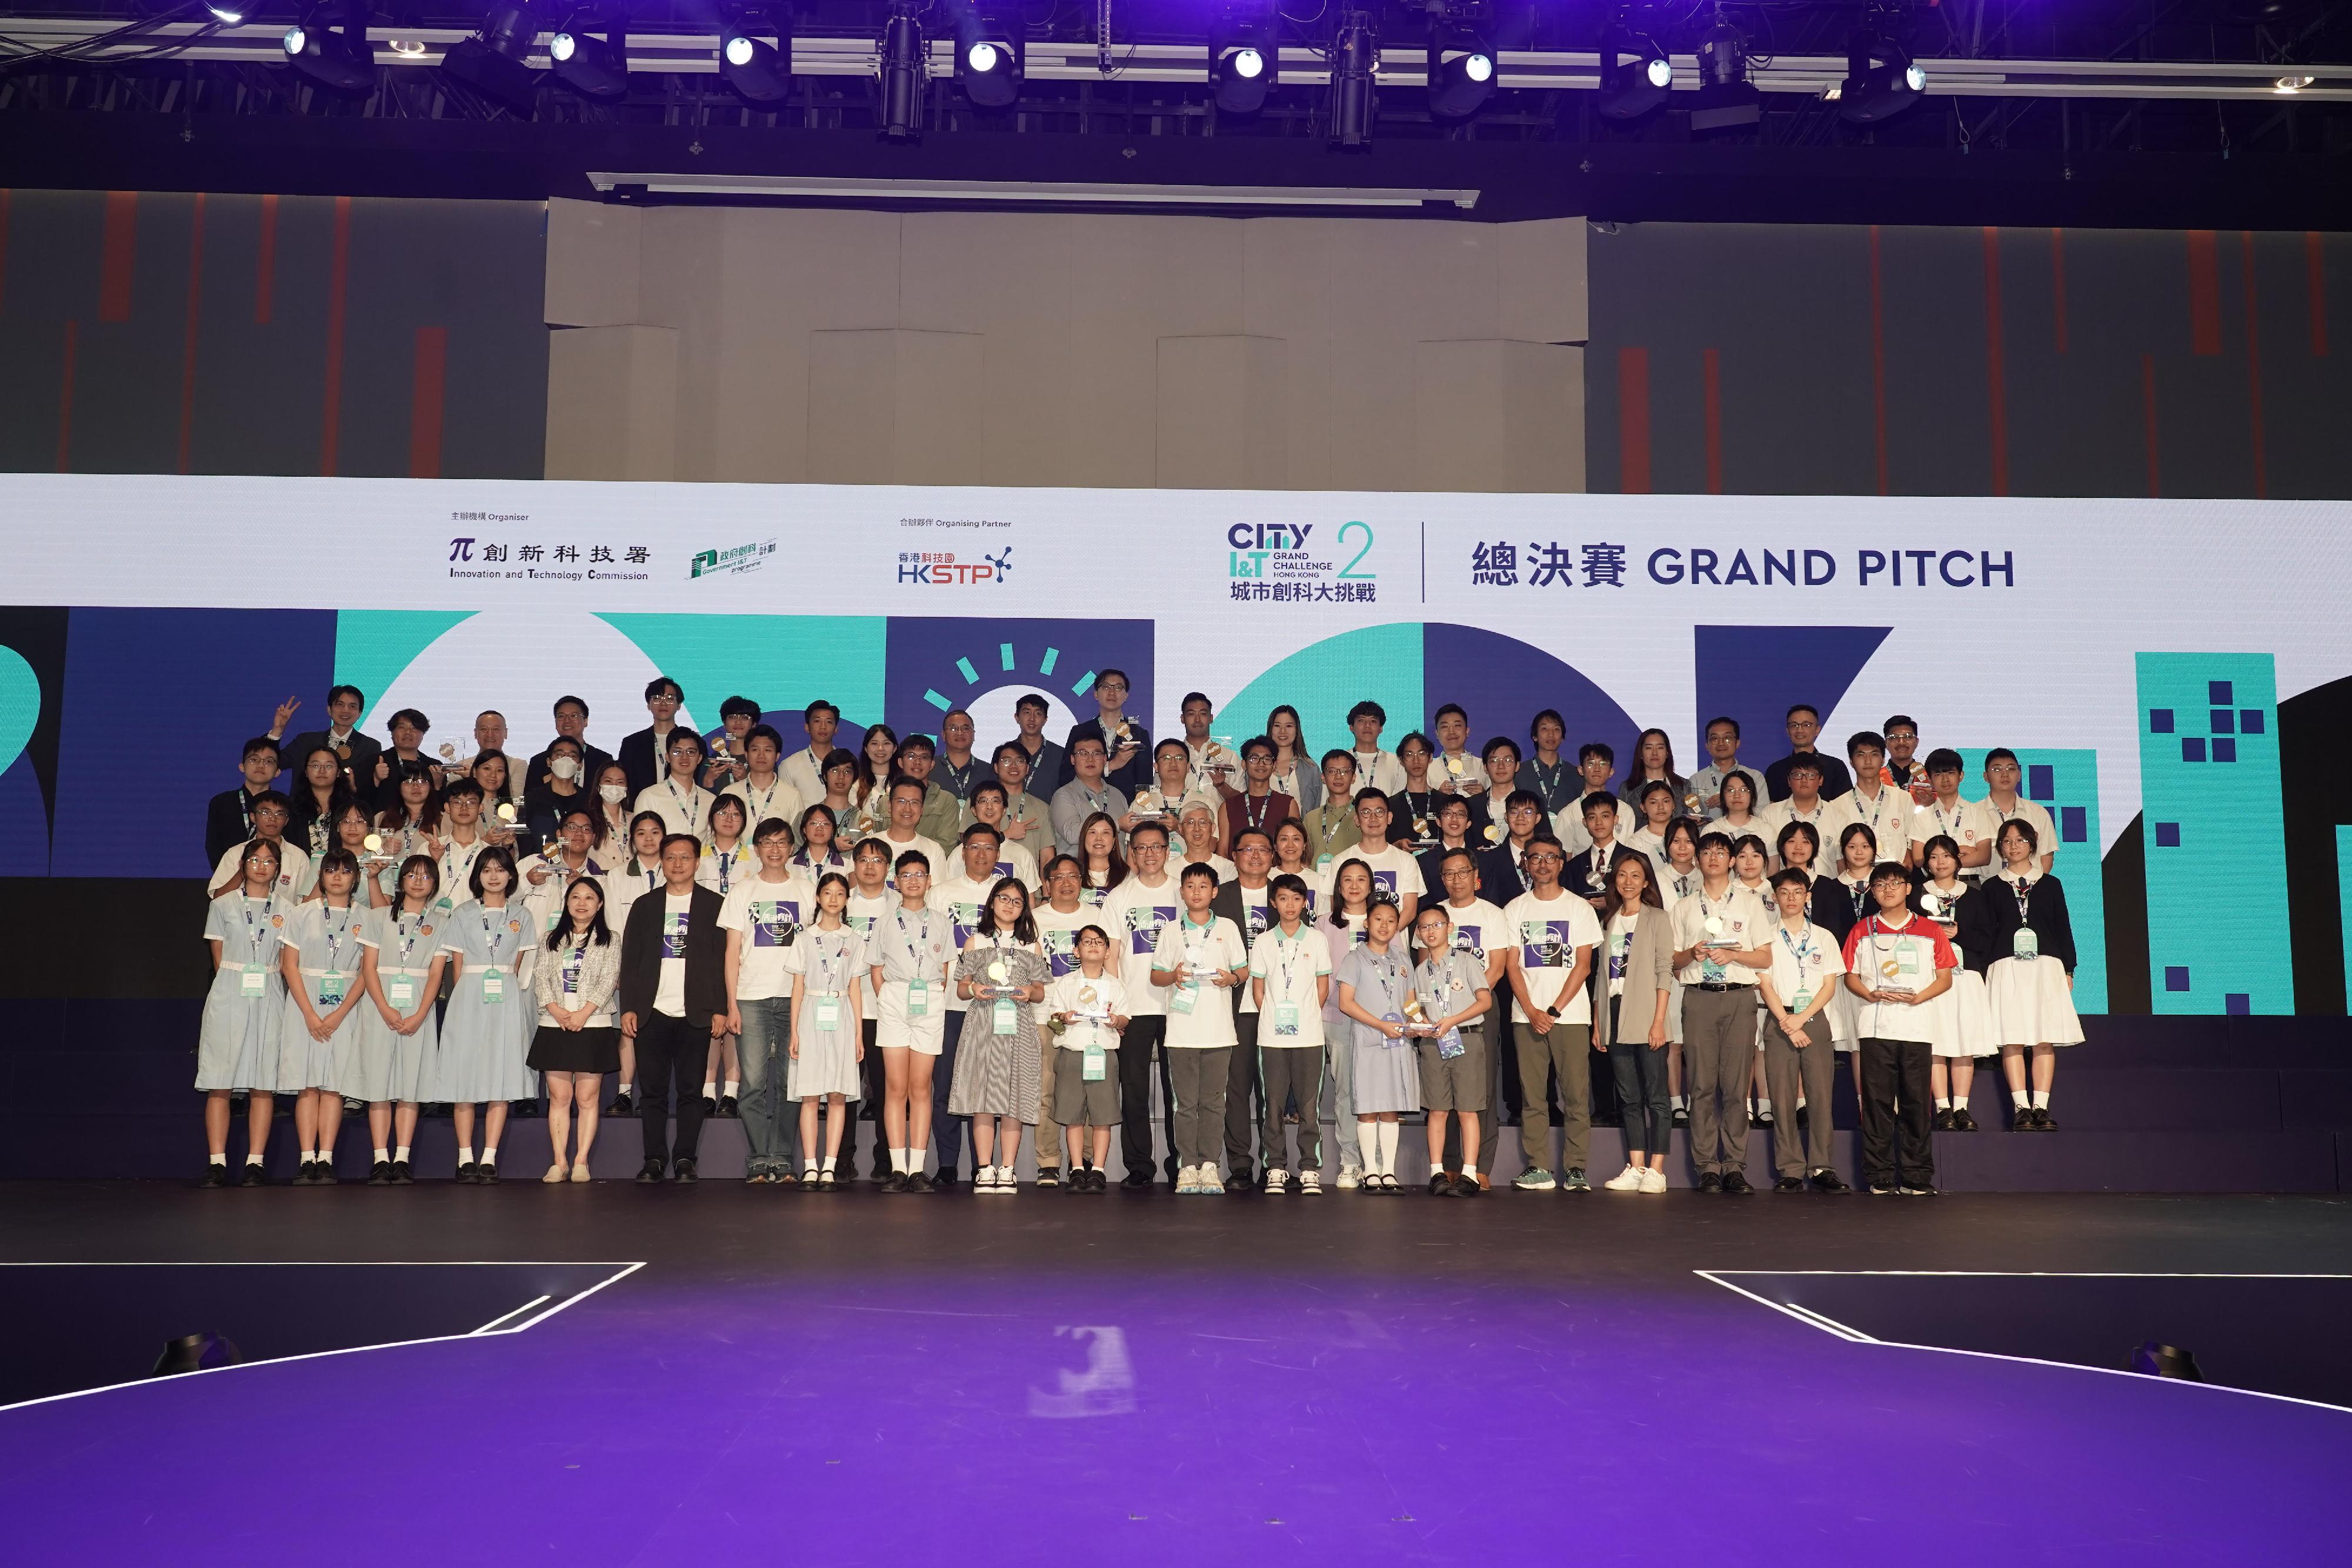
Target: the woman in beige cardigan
(575, 974)
(1629, 1017)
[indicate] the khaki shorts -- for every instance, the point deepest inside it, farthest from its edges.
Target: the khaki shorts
(1459, 1084)
(1078, 1103)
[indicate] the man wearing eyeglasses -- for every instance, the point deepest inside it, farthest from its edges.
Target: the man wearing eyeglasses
(1125, 740)
(1552, 932)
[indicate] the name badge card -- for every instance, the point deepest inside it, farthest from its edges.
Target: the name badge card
(250, 982)
(1285, 1019)
(828, 1012)
(401, 992)
(332, 987)
(1095, 1066)
(918, 999)
(494, 986)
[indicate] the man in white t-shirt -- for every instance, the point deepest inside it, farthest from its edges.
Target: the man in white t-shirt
(1246, 900)
(1215, 770)
(1134, 913)
(1553, 934)
(987, 805)
(906, 810)
(804, 768)
(271, 811)
(1290, 982)
(1967, 823)
(1200, 960)
(1722, 946)
(1394, 869)
(1375, 769)
(672, 1002)
(1455, 770)
(761, 913)
(2003, 774)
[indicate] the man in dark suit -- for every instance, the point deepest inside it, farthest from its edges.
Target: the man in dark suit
(1245, 902)
(356, 752)
(1128, 764)
(673, 1000)
(1453, 834)
(645, 754)
(572, 721)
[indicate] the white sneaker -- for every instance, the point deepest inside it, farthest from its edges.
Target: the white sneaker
(1349, 1179)
(1005, 1180)
(1627, 1180)
(1212, 1180)
(1276, 1179)
(1654, 1181)
(1188, 1179)
(1311, 1184)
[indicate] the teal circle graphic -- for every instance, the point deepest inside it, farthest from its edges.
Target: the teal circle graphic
(20, 706)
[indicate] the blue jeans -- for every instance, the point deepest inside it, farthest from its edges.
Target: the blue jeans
(771, 1120)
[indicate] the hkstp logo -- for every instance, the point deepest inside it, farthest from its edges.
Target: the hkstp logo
(941, 568)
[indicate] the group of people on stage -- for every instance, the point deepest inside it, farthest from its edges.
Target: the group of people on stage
(1008, 941)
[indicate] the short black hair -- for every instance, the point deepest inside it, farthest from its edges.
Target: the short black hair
(1257, 743)
(977, 830)
(1790, 876)
(989, 787)
(1415, 738)
(411, 717)
(766, 732)
(580, 702)
(1708, 726)
(661, 683)
(1944, 758)
(1198, 868)
(918, 742)
(1037, 700)
(1796, 708)
(1341, 754)
(743, 705)
(1192, 698)
(1592, 749)
(1142, 827)
(1373, 796)
(462, 788)
(1501, 742)
(688, 840)
(1453, 708)
(818, 706)
(1864, 738)
(1368, 709)
(2000, 754)
(260, 743)
(356, 694)
(1594, 801)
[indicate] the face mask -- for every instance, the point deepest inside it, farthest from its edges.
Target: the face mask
(565, 768)
(615, 793)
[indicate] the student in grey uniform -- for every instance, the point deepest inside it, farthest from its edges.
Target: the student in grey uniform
(909, 953)
(1001, 974)
(1373, 985)
(400, 1032)
(237, 1045)
(320, 955)
(827, 961)
(1453, 997)
(485, 1033)
(573, 977)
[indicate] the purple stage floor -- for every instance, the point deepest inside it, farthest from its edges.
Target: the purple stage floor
(1144, 1379)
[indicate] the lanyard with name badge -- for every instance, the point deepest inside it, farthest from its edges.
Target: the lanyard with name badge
(1802, 952)
(2024, 944)
(828, 977)
(1432, 982)
(333, 983)
(1384, 965)
(251, 982)
(494, 981)
(918, 988)
(1286, 952)
(400, 990)
(693, 813)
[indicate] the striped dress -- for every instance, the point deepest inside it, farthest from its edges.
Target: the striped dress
(998, 1074)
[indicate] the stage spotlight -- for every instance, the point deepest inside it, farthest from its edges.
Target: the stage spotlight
(1726, 96)
(1355, 62)
(494, 61)
(990, 61)
(588, 64)
(1244, 61)
(195, 1353)
(339, 58)
(2155, 1360)
(1881, 79)
(1461, 70)
(905, 67)
(1636, 75)
(755, 54)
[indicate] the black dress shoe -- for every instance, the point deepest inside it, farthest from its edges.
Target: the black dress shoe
(895, 1181)
(622, 1105)
(486, 1174)
(1961, 1121)
(1736, 1185)
(1440, 1184)
(302, 1173)
(1944, 1120)
(216, 1174)
(1804, 1116)
(1682, 1117)
(942, 1181)
(401, 1174)
(1467, 1187)
(2043, 1121)
(323, 1174)
(709, 1106)
(683, 1173)
(468, 1172)
(1828, 1181)
(652, 1172)
(726, 1105)
(380, 1174)
(1790, 1184)
(254, 1175)
(1136, 1181)
(1710, 1182)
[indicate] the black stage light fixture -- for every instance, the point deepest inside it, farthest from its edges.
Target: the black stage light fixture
(591, 65)
(1726, 97)
(496, 60)
(1635, 74)
(195, 1353)
(1244, 60)
(1461, 68)
(905, 67)
(1881, 79)
(1355, 63)
(990, 61)
(2155, 1360)
(339, 57)
(755, 54)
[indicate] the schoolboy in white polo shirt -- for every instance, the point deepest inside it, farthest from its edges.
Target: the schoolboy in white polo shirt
(2003, 774)
(1967, 823)
(1199, 960)
(1290, 977)
(1877, 805)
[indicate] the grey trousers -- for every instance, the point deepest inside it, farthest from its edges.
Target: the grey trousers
(1786, 1068)
(1718, 1056)
(1293, 1071)
(1196, 1077)
(1567, 1051)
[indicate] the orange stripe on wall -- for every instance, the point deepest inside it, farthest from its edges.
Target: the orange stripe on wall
(425, 403)
(339, 267)
(1996, 391)
(65, 400)
(1633, 421)
(1878, 362)
(2204, 293)
(1711, 368)
(118, 250)
(188, 346)
(2314, 278)
(2253, 367)
(265, 271)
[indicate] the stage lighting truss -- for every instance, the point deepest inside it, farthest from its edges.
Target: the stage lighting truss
(591, 55)
(1727, 99)
(1245, 59)
(755, 53)
(990, 60)
(1462, 60)
(904, 66)
(1881, 79)
(495, 61)
(1355, 68)
(1635, 74)
(336, 57)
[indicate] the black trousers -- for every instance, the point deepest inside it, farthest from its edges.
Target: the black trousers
(670, 1052)
(1898, 1145)
(870, 1073)
(1244, 1088)
(1138, 1048)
